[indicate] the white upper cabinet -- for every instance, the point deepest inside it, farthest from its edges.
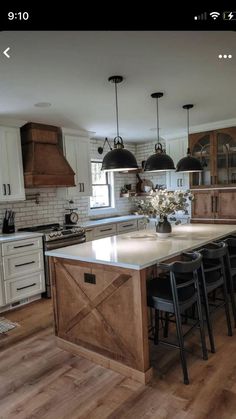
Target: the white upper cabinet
(11, 169)
(177, 149)
(77, 152)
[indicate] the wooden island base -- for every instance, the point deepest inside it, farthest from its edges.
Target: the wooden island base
(101, 314)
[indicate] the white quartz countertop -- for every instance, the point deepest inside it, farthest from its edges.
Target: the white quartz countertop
(18, 236)
(123, 218)
(140, 249)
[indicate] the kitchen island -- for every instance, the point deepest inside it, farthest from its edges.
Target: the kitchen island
(99, 293)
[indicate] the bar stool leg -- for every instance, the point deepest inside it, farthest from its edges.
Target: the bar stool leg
(227, 313)
(156, 328)
(179, 331)
(207, 313)
(201, 324)
(166, 326)
(231, 288)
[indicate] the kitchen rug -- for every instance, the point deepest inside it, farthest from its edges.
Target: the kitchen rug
(6, 325)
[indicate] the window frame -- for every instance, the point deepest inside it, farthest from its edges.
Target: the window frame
(102, 184)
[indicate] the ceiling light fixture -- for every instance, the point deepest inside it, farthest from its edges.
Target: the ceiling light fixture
(160, 161)
(188, 164)
(118, 159)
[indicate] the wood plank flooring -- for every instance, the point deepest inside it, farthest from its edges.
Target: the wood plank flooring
(40, 381)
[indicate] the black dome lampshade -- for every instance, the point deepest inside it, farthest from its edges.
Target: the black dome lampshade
(160, 161)
(118, 159)
(188, 164)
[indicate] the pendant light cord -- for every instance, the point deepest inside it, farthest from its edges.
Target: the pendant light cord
(158, 129)
(117, 123)
(188, 122)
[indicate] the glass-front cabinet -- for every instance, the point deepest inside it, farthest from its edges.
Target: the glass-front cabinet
(216, 151)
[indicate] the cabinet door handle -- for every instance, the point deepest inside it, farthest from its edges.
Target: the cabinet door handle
(212, 204)
(177, 182)
(181, 182)
(27, 286)
(211, 180)
(4, 189)
(83, 186)
(26, 263)
(9, 188)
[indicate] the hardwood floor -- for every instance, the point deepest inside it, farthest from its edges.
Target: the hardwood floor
(31, 318)
(39, 380)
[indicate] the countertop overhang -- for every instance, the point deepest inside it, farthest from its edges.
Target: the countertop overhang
(18, 236)
(140, 249)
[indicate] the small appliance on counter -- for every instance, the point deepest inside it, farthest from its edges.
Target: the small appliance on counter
(72, 217)
(8, 225)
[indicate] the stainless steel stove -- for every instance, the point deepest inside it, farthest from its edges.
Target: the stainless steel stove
(54, 237)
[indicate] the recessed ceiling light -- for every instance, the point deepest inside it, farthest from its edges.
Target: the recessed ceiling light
(43, 104)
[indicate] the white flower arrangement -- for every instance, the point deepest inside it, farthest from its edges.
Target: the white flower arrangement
(164, 203)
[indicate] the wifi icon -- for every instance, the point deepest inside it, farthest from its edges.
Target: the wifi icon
(214, 15)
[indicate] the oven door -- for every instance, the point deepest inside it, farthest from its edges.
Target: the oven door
(56, 244)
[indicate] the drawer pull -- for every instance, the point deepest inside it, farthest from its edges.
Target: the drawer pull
(27, 286)
(128, 225)
(26, 263)
(23, 245)
(106, 229)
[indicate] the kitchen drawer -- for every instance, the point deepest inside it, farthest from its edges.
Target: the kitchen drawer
(19, 288)
(103, 231)
(20, 246)
(127, 226)
(18, 265)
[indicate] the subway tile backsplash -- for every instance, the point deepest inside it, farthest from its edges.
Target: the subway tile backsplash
(51, 208)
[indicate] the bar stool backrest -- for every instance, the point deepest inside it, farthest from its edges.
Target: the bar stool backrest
(214, 250)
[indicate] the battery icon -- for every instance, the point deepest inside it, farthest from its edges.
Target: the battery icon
(229, 15)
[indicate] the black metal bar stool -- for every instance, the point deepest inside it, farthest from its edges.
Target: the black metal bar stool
(231, 242)
(231, 271)
(213, 278)
(174, 293)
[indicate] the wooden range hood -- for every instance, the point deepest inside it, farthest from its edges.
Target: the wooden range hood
(43, 160)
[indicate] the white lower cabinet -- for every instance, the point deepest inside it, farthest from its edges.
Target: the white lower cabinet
(127, 226)
(19, 288)
(93, 233)
(22, 269)
(104, 231)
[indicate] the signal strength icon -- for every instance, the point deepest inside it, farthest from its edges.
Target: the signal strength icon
(214, 15)
(202, 16)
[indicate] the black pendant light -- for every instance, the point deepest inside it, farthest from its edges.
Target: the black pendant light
(160, 161)
(118, 159)
(188, 164)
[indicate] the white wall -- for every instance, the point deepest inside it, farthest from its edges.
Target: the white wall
(51, 209)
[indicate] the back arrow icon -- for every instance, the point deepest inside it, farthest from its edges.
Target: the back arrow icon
(6, 52)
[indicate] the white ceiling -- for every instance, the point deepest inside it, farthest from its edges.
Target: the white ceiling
(70, 70)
